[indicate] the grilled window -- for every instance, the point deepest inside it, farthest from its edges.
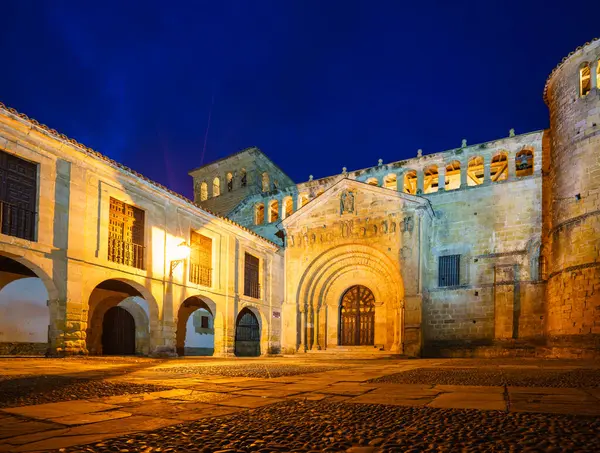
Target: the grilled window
(200, 259)
(449, 270)
(126, 234)
(18, 194)
(204, 322)
(251, 282)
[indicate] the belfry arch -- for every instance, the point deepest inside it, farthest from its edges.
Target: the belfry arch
(329, 276)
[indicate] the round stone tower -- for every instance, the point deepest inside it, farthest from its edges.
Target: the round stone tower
(571, 250)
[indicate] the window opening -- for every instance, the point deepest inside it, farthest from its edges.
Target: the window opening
(126, 234)
(410, 182)
(200, 259)
(259, 214)
(251, 276)
(475, 171)
(449, 270)
(431, 179)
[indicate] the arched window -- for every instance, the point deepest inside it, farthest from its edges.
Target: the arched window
(273, 211)
(475, 171)
(259, 214)
(288, 207)
(431, 179)
(216, 187)
(585, 80)
(499, 167)
(372, 181)
(229, 182)
(410, 182)
(452, 176)
(265, 182)
(390, 182)
(302, 199)
(524, 162)
(243, 178)
(203, 191)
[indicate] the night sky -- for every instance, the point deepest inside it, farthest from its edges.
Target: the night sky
(317, 85)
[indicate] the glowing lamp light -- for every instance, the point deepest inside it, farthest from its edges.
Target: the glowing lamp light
(179, 254)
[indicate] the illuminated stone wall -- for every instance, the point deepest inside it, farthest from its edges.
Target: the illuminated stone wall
(70, 253)
(572, 248)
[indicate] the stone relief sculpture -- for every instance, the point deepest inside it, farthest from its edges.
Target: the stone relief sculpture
(347, 202)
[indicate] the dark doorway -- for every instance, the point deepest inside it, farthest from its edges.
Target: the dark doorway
(357, 317)
(247, 335)
(118, 332)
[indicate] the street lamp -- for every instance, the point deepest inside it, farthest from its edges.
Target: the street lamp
(179, 254)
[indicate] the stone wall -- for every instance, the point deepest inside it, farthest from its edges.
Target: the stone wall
(572, 248)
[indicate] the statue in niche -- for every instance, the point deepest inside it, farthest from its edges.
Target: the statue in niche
(347, 202)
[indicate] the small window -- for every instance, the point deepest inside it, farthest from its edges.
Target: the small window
(372, 182)
(204, 322)
(524, 163)
(288, 207)
(203, 191)
(243, 178)
(251, 276)
(229, 182)
(410, 182)
(216, 187)
(265, 182)
(475, 171)
(449, 270)
(452, 176)
(499, 167)
(273, 211)
(431, 179)
(259, 214)
(585, 80)
(390, 182)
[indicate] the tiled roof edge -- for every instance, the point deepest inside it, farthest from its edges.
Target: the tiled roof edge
(126, 169)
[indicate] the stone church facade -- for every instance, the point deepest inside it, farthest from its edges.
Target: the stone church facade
(483, 250)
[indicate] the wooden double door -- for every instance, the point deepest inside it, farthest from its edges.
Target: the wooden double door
(357, 317)
(118, 332)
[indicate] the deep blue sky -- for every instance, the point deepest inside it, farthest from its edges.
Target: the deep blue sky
(317, 85)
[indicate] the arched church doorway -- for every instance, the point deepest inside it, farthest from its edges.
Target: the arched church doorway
(195, 327)
(357, 317)
(247, 334)
(118, 332)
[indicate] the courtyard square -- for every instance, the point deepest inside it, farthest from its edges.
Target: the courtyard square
(300, 403)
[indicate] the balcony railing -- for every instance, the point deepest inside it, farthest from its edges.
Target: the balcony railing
(126, 253)
(200, 275)
(17, 221)
(252, 289)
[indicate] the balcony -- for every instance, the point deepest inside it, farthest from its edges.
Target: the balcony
(17, 221)
(126, 253)
(252, 289)
(200, 275)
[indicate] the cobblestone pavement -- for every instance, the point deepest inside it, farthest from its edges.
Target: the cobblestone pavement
(298, 404)
(322, 426)
(578, 378)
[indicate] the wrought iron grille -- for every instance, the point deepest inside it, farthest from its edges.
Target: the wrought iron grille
(200, 259)
(248, 328)
(17, 221)
(449, 270)
(127, 253)
(251, 276)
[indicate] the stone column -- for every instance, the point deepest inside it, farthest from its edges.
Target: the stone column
(441, 178)
(594, 73)
(464, 167)
(487, 162)
(512, 166)
(302, 347)
(420, 175)
(314, 315)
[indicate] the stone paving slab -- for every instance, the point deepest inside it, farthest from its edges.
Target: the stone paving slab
(95, 417)
(53, 410)
(14, 426)
(249, 401)
(269, 393)
(470, 388)
(394, 400)
(480, 401)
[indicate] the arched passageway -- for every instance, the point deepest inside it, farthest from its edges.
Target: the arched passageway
(195, 328)
(24, 310)
(357, 317)
(247, 334)
(118, 319)
(118, 332)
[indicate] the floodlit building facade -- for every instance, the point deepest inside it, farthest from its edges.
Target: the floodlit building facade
(488, 249)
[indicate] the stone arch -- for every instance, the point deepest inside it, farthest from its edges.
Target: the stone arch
(250, 348)
(328, 274)
(475, 171)
(185, 313)
(524, 162)
(430, 179)
(30, 317)
(409, 184)
(130, 296)
(499, 166)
